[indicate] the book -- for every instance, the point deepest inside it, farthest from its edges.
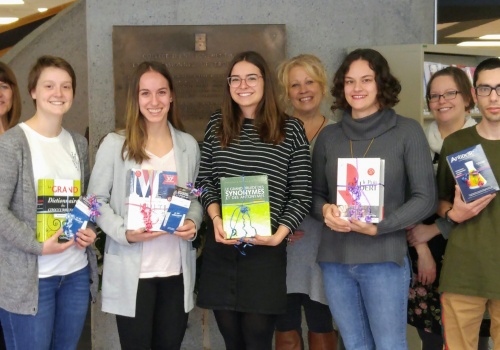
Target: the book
(472, 172)
(177, 210)
(360, 188)
(149, 196)
(245, 206)
(76, 219)
(55, 198)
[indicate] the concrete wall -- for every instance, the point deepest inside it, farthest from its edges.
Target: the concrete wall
(82, 35)
(65, 36)
(322, 27)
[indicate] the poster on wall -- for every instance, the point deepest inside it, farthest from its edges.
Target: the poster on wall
(197, 57)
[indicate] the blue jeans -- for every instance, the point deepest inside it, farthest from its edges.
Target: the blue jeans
(62, 307)
(369, 303)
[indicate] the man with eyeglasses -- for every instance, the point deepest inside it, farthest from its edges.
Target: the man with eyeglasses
(470, 278)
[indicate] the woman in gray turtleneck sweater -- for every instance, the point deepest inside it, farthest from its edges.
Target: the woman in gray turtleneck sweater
(365, 266)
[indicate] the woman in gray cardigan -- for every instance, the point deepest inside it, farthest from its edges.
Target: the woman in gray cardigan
(44, 285)
(148, 277)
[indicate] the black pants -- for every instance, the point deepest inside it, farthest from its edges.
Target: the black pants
(246, 331)
(2, 340)
(160, 321)
(318, 316)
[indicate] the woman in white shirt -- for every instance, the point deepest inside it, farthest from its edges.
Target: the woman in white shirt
(44, 284)
(148, 276)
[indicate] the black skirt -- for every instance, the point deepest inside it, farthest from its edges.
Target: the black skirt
(252, 282)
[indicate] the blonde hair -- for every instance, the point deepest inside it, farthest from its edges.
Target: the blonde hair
(313, 67)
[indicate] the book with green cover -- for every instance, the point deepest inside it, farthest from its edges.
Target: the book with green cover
(245, 206)
(56, 197)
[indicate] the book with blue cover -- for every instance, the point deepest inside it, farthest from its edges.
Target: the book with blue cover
(176, 212)
(473, 173)
(245, 206)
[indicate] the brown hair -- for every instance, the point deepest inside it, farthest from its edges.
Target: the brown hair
(461, 80)
(46, 62)
(135, 128)
(313, 67)
(7, 76)
(269, 117)
(388, 87)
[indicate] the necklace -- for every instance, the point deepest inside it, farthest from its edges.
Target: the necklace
(350, 144)
(317, 131)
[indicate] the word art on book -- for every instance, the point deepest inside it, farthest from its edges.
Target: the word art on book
(245, 206)
(150, 194)
(56, 198)
(360, 189)
(473, 173)
(86, 209)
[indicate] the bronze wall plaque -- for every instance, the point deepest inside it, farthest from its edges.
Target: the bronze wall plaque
(197, 57)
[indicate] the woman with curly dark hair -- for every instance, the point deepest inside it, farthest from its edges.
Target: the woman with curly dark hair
(365, 266)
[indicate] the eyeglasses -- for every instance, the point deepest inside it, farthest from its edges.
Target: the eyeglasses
(485, 90)
(251, 80)
(448, 95)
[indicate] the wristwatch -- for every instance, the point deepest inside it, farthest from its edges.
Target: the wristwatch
(450, 220)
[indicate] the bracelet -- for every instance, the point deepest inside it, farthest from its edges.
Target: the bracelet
(215, 217)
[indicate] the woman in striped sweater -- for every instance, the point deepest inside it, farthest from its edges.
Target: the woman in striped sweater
(244, 281)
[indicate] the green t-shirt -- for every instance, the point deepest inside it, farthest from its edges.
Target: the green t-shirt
(472, 258)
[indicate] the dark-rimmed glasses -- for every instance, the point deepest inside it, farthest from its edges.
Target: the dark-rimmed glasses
(251, 80)
(448, 95)
(485, 90)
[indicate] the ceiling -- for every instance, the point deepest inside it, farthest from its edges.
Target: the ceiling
(467, 20)
(30, 7)
(458, 20)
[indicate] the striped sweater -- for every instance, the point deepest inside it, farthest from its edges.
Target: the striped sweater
(287, 166)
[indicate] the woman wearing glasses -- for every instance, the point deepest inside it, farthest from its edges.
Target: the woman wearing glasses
(449, 99)
(244, 281)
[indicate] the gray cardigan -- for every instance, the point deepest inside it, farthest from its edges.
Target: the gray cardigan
(19, 248)
(122, 260)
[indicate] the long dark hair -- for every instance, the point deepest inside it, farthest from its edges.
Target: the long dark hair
(269, 117)
(136, 134)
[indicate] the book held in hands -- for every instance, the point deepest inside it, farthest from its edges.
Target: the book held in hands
(177, 210)
(150, 194)
(56, 198)
(360, 189)
(86, 209)
(245, 206)
(472, 172)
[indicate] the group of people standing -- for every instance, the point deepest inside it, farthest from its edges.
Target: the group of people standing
(356, 271)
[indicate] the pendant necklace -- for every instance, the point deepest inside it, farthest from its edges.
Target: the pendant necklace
(352, 154)
(317, 131)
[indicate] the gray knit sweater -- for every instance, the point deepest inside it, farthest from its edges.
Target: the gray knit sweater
(19, 249)
(410, 188)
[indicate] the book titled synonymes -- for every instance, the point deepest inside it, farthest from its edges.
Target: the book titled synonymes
(245, 206)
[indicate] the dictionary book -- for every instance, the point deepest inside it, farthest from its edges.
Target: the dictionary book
(245, 206)
(473, 173)
(56, 197)
(360, 189)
